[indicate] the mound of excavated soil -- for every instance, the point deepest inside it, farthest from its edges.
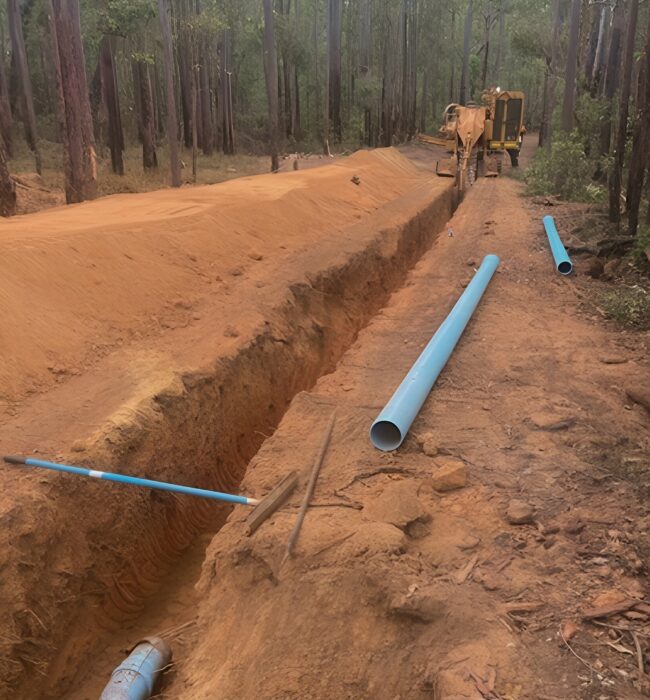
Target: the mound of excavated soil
(164, 335)
(77, 281)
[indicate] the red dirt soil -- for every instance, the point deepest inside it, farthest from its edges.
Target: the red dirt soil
(126, 267)
(397, 590)
(164, 335)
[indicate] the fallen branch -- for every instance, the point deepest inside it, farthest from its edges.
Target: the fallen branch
(611, 609)
(639, 653)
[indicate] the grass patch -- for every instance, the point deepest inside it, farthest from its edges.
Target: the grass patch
(629, 306)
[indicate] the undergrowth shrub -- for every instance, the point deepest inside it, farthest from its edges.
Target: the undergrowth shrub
(564, 171)
(641, 244)
(630, 306)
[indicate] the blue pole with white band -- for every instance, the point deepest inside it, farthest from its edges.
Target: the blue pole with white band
(133, 480)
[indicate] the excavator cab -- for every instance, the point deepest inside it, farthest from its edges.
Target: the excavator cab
(504, 122)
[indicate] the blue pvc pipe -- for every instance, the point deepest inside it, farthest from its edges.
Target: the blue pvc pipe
(136, 677)
(134, 481)
(393, 423)
(563, 263)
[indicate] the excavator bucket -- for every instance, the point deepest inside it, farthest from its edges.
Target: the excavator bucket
(447, 168)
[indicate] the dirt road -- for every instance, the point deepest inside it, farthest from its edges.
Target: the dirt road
(397, 589)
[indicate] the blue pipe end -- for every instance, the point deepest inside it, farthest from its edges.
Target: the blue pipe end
(385, 435)
(137, 676)
(563, 263)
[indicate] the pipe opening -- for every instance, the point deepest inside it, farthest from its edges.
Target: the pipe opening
(565, 268)
(385, 435)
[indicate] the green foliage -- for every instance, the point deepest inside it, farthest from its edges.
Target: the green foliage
(641, 244)
(564, 170)
(123, 17)
(629, 306)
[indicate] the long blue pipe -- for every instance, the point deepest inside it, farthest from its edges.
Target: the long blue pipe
(563, 263)
(136, 677)
(133, 480)
(391, 425)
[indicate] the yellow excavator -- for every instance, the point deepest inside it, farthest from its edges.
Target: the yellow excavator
(478, 135)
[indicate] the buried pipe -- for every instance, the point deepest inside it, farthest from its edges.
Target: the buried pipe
(393, 423)
(563, 263)
(136, 677)
(134, 481)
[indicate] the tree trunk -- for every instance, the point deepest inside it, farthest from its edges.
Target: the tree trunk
(185, 68)
(611, 75)
(500, 43)
(424, 103)
(334, 73)
(149, 156)
(206, 102)
(467, 37)
(568, 105)
(6, 118)
(19, 55)
(271, 74)
(640, 156)
(623, 110)
(412, 70)
(596, 13)
(110, 94)
(227, 126)
(137, 94)
(172, 121)
(544, 122)
(452, 72)
(73, 100)
(600, 58)
(486, 56)
(365, 36)
(551, 83)
(7, 186)
(195, 141)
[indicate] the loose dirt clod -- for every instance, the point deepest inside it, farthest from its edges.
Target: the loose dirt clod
(398, 505)
(519, 512)
(449, 475)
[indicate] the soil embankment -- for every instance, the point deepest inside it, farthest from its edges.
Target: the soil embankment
(401, 588)
(165, 335)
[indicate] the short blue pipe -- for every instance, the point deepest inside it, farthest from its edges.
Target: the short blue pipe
(133, 480)
(393, 423)
(136, 677)
(563, 263)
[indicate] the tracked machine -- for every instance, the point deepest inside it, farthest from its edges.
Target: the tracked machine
(478, 136)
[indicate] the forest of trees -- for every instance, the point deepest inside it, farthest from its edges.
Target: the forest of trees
(271, 76)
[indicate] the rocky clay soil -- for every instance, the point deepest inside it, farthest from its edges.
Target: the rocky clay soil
(501, 553)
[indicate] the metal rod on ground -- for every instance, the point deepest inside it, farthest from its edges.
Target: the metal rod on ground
(318, 462)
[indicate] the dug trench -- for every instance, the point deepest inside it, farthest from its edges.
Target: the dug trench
(484, 558)
(83, 561)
